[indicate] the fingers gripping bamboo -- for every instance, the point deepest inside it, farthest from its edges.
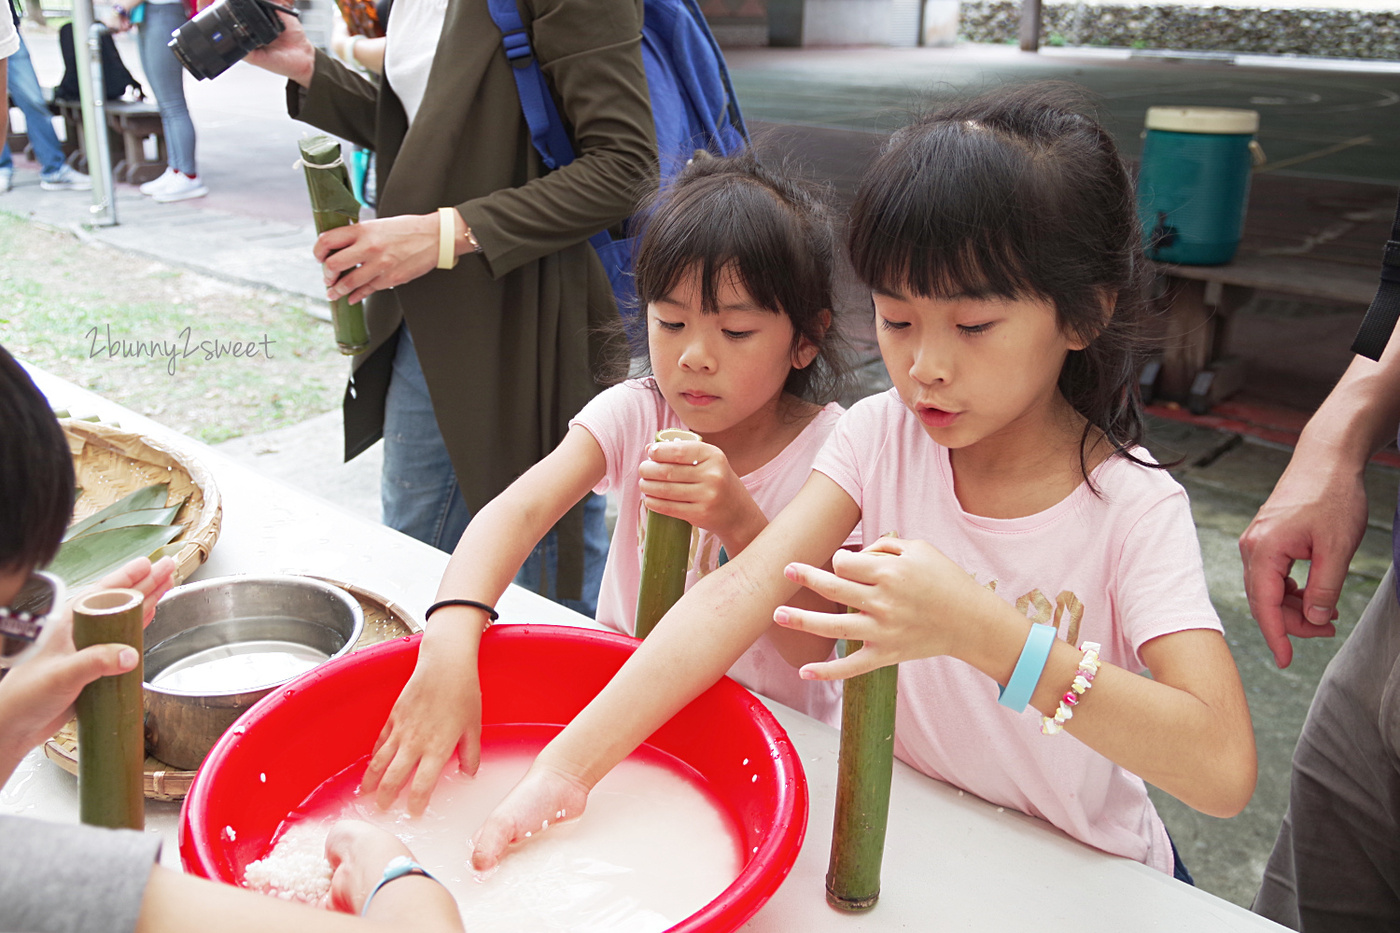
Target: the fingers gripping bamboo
(333, 205)
(111, 763)
(665, 557)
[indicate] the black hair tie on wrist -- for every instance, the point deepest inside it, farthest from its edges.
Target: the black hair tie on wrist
(491, 613)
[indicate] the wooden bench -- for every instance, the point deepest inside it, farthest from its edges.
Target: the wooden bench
(1307, 238)
(137, 121)
(129, 124)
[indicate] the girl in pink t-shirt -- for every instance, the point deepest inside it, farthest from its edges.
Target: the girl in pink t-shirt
(734, 274)
(1043, 561)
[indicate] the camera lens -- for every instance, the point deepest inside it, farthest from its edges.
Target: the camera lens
(223, 34)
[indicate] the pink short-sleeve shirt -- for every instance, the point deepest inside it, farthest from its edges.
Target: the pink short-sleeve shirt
(1120, 568)
(624, 420)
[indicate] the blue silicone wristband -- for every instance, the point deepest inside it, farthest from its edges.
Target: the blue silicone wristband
(1017, 692)
(398, 867)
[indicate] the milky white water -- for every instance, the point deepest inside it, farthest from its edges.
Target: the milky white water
(239, 666)
(653, 847)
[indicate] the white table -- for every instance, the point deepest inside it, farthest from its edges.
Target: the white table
(952, 861)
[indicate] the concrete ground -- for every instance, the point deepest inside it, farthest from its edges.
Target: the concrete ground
(826, 109)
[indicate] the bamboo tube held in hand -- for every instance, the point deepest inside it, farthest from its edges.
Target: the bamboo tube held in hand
(111, 739)
(864, 769)
(665, 557)
(333, 205)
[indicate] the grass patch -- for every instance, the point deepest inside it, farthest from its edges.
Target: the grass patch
(208, 358)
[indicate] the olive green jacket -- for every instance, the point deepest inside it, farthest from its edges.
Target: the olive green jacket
(508, 339)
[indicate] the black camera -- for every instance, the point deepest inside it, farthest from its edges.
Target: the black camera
(224, 32)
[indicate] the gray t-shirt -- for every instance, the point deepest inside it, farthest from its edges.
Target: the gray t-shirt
(56, 878)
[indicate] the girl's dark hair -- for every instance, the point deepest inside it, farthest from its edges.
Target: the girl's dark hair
(1018, 194)
(732, 216)
(36, 472)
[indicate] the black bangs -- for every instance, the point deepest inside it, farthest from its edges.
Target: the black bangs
(741, 231)
(937, 216)
(1017, 194)
(735, 220)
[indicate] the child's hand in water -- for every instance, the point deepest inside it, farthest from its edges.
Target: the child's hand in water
(437, 715)
(692, 480)
(543, 798)
(911, 602)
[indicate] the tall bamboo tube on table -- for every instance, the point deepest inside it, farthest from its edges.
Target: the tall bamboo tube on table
(864, 770)
(665, 557)
(111, 740)
(333, 205)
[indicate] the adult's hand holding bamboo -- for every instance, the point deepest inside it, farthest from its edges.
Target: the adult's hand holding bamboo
(110, 733)
(333, 207)
(368, 257)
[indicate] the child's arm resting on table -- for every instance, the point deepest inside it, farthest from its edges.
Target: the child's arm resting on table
(681, 658)
(1186, 730)
(438, 713)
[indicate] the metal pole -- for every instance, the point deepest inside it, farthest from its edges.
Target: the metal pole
(92, 96)
(1030, 25)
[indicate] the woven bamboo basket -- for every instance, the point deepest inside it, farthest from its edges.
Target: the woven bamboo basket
(384, 619)
(110, 463)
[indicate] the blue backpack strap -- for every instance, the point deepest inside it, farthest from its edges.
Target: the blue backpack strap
(736, 119)
(546, 127)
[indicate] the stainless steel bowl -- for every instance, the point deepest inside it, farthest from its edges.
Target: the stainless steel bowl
(218, 646)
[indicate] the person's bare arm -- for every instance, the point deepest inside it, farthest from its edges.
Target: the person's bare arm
(1317, 511)
(680, 659)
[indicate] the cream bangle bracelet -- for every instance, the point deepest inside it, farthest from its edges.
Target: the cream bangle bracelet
(447, 232)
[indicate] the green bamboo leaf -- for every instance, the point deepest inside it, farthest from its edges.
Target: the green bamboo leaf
(160, 516)
(88, 558)
(150, 497)
(167, 550)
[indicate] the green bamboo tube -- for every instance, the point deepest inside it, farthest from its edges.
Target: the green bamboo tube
(111, 740)
(333, 205)
(665, 557)
(863, 773)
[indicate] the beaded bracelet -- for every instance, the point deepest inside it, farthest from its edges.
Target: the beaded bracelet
(1083, 680)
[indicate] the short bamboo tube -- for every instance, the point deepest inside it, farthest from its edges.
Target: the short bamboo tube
(111, 740)
(665, 557)
(864, 769)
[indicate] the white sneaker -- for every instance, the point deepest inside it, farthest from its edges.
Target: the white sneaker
(154, 186)
(66, 178)
(181, 189)
(7, 176)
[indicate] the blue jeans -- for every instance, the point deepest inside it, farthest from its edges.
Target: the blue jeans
(1179, 870)
(419, 494)
(167, 79)
(29, 97)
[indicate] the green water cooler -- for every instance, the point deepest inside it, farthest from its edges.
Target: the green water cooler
(1194, 182)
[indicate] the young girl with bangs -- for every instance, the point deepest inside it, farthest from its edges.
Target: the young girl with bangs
(1042, 561)
(734, 273)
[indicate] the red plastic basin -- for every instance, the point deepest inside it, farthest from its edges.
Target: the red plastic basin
(297, 737)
